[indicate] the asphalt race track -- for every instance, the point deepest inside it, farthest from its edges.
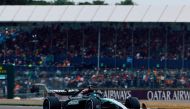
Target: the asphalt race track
(20, 107)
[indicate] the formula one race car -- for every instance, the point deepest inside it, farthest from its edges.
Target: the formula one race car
(87, 99)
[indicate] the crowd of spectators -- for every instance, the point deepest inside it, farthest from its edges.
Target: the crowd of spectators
(70, 44)
(58, 44)
(107, 78)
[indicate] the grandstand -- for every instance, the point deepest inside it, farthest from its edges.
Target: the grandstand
(107, 46)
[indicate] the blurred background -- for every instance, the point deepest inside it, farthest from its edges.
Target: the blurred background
(108, 55)
(130, 55)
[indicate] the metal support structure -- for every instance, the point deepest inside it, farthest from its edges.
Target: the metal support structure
(7, 71)
(183, 49)
(99, 44)
(132, 64)
(149, 33)
(83, 44)
(4, 53)
(67, 44)
(166, 48)
(115, 49)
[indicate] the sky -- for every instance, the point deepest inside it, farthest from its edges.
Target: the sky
(144, 2)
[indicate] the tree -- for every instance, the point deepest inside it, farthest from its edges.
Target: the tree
(41, 2)
(126, 2)
(13, 2)
(63, 2)
(99, 2)
(84, 3)
(20, 2)
(23, 2)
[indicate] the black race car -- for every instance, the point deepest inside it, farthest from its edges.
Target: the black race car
(86, 99)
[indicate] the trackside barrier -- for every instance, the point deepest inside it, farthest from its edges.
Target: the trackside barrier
(29, 95)
(147, 94)
(122, 94)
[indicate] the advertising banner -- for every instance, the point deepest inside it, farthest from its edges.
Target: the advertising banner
(146, 94)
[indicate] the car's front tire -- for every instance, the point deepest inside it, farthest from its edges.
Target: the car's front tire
(89, 104)
(51, 103)
(132, 103)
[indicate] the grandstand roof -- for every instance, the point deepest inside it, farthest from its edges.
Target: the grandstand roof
(95, 13)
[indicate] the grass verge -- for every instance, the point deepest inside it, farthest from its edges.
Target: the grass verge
(167, 104)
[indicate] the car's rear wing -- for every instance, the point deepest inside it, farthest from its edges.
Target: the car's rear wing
(47, 92)
(65, 92)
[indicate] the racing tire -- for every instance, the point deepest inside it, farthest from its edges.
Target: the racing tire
(132, 103)
(89, 104)
(51, 103)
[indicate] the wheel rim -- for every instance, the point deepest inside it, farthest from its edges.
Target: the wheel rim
(46, 104)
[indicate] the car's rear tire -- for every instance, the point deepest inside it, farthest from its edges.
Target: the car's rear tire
(93, 103)
(132, 103)
(89, 104)
(51, 103)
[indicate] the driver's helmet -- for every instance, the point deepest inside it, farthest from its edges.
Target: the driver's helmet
(87, 91)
